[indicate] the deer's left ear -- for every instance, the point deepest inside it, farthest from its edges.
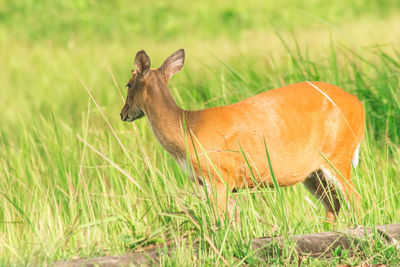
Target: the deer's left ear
(173, 63)
(142, 63)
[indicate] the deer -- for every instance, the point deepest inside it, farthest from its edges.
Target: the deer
(307, 132)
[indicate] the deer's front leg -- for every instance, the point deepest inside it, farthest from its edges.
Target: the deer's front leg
(223, 202)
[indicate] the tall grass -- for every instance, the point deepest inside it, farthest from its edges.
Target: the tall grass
(68, 191)
(76, 181)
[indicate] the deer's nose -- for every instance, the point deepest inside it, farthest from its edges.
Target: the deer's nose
(123, 117)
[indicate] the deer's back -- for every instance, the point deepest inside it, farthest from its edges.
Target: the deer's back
(296, 124)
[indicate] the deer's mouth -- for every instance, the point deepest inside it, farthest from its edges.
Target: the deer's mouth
(137, 115)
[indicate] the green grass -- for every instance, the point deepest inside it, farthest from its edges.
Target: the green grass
(67, 162)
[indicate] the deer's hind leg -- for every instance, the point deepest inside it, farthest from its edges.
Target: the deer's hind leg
(320, 184)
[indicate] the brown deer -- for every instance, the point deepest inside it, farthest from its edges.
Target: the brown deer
(311, 132)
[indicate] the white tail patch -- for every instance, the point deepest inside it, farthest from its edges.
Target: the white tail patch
(356, 156)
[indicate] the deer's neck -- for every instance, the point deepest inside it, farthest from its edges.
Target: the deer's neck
(167, 121)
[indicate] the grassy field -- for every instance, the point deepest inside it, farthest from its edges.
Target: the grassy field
(67, 161)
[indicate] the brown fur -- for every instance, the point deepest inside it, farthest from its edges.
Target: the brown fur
(302, 130)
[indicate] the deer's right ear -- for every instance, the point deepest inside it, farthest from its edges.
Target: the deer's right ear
(173, 63)
(142, 63)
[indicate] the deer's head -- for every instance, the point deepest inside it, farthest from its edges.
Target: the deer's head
(145, 82)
